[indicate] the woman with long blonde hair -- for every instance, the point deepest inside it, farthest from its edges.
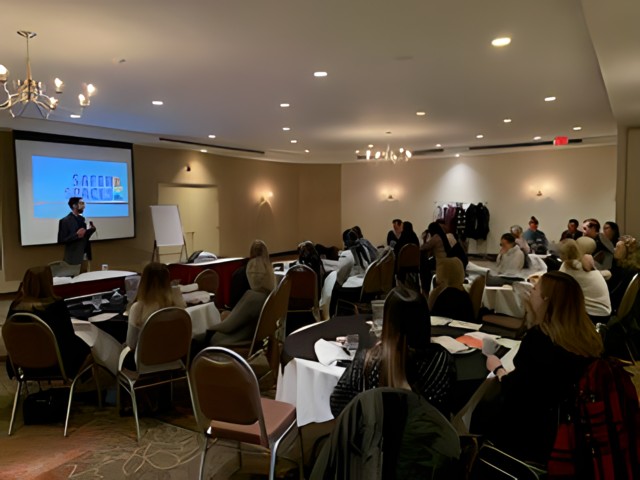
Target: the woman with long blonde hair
(553, 355)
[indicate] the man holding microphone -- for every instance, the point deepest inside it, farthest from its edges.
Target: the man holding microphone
(74, 234)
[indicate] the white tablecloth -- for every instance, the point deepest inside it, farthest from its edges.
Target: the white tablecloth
(106, 349)
(308, 385)
(508, 299)
(90, 276)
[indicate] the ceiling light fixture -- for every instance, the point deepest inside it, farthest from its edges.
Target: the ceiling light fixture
(403, 155)
(157, 103)
(294, 141)
(577, 128)
(306, 150)
(75, 115)
(438, 145)
(202, 150)
(30, 91)
(549, 99)
(507, 120)
(479, 136)
(211, 136)
(421, 114)
(286, 129)
(501, 41)
(320, 74)
(537, 137)
(284, 105)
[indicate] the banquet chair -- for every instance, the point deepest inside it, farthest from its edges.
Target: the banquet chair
(229, 406)
(408, 265)
(266, 339)
(208, 281)
(35, 356)
(475, 292)
(620, 334)
(161, 356)
(387, 270)
(303, 305)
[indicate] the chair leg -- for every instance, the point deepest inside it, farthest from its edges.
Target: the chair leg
(301, 463)
(96, 372)
(15, 405)
(193, 401)
(66, 421)
(134, 405)
(274, 452)
(203, 456)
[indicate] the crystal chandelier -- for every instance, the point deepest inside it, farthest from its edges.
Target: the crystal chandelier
(402, 155)
(30, 91)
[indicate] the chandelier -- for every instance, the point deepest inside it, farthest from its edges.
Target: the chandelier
(30, 91)
(402, 155)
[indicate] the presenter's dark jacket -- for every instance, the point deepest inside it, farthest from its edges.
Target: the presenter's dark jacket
(74, 247)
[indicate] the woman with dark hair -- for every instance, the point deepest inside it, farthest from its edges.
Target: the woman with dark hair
(36, 296)
(436, 244)
(407, 236)
(308, 255)
(611, 231)
(626, 265)
(403, 358)
(554, 353)
(352, 264)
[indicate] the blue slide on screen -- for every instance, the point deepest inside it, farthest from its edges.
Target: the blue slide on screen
(102, 185)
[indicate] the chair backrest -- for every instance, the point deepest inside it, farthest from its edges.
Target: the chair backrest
(387, 270)
(407, 437)
(304, 288)
(226, 389)
(164, 338)
(629, 297)
(274, 308)
(453, 303)
(32, 345)
(409, 257)
(208, 281)
(372, 282)
(475, 292)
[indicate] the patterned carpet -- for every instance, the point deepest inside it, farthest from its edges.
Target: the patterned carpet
(102, 445)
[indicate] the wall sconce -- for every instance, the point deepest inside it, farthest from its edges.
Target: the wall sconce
(539, 194)
(188, 168)
(265, 197)
(391, 198)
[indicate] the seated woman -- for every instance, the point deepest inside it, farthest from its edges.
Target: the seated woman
(239, 281)
(449, 298)
(554, 353)
(154, 293)
(308, 255)
(594, 287)
(407, 236)
(404, 357)
(238, 327)
(625, 266)
(36, 296)
(511, 259)
(516, 231)
(352, 264)
(611, 230)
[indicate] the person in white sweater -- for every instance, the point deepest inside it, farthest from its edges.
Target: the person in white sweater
(593, 284)
(511, 259)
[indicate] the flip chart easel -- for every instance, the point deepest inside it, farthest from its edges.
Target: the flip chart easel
(167, 228)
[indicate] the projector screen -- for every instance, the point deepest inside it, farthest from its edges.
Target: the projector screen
(50, 173)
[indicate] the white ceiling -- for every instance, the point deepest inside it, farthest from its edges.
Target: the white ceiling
(223, 68)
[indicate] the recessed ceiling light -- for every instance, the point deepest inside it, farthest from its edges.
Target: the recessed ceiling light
(421, 114)
(507, 120)
(203, 150)
(577, 128)
(75, 115)
(537, 137)
(320, 74)
(357, 152)
(306, 150)
(284, 105)
(286, 129)
(549, 99)
(457, 155)
(212, 136)
(294, 141)
(501, 41)
(370, 145)
(479, 136)
(158, 102)
(438, 145)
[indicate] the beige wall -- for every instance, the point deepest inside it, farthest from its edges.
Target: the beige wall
(628, 193)
(576, 182)
(305, 205)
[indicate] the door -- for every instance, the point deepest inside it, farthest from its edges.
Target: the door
(198, 205)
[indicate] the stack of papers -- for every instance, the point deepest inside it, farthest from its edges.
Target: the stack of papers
(452, 345)
(329, 353)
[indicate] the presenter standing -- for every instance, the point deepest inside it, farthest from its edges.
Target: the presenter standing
(74, 234)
